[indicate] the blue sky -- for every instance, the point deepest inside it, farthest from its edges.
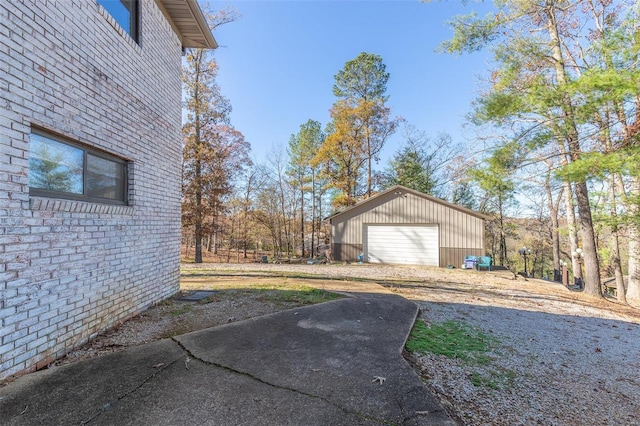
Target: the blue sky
(277, 64)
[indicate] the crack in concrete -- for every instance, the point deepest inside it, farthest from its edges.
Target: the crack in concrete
(105, 407)
(109, 404)
(273, 385)
(187, 351)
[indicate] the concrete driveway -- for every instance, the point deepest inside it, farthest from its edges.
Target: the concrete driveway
(335, 363)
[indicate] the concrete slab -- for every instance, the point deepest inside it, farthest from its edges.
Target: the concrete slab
(315, 365)
(198, 296)
(78, 393)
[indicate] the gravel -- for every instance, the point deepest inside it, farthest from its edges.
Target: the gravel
(552, 369)
(558, 357)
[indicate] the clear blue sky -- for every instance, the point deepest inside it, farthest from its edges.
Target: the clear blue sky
(277, 64)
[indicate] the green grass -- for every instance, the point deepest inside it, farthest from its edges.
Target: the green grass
(299, 294)
(458, 340)
(479, 380)
(231, 272)
(284, 293)
(179, 310)
(453, 339)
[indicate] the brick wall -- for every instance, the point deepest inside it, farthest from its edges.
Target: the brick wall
(71, 269)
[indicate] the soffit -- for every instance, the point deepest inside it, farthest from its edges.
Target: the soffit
(187, 19)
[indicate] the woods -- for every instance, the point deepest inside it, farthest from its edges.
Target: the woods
(563, 91)
(554, 160)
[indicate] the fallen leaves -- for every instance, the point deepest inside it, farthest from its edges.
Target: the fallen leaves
(378, 379)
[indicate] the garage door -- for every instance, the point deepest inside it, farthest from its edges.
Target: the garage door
(402, 244)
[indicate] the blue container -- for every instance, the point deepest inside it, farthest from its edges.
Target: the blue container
(470, 262)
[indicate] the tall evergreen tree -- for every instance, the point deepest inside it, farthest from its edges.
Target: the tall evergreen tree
(536, 54)
(361, 90)
(495, 178)
(207, 110)
(423, 163)
(409, 168)
(302, 148)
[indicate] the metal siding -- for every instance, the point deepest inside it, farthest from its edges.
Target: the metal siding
(454, 256)
(459, 232)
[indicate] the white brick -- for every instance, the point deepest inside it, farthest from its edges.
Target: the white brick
(63, 261)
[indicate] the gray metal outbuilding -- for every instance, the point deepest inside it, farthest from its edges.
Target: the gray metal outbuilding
(403, 226)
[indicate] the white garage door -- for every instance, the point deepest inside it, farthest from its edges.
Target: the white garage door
(403, 244)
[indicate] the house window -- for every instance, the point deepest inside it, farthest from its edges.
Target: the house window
(125, 12)
(62, 169)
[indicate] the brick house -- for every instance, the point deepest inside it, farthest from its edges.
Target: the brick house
(90, 163)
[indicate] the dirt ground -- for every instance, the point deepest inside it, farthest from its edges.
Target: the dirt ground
(248, 290)
(231, 299)
(560, 357)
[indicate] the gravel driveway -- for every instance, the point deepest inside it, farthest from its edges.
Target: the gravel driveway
(559, 357)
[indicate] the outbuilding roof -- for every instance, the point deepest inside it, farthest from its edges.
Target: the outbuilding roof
(399, 189)
(189, 23)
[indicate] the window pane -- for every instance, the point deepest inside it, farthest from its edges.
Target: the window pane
(124, 12)
(55, 166)
(105, 178)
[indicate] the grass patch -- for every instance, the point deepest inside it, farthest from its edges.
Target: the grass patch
(287, 293)
(493, 378)
(179, 310)
(453, 339)
(479, 380)
(458, 340)
(283, 291)
(231, 272)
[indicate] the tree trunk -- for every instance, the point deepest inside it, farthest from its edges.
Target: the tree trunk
(198, 213)
(492, 233)
(210, 240)
(230, 242)
(590, 249)
(319, 221)
(503, 236)
(302, 252)
(591, 263)
(573, 229)
(615, 241)
(368, 168)
(245, 209)
(555, 229)
(313, 212)
(633, 290)
(591, 278)
(245, 233)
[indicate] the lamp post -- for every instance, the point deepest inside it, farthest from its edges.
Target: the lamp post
(564, 272)
(524, 252)
(578, 256)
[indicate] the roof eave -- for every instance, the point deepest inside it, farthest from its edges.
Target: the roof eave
(417, 193)
(189, 23)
